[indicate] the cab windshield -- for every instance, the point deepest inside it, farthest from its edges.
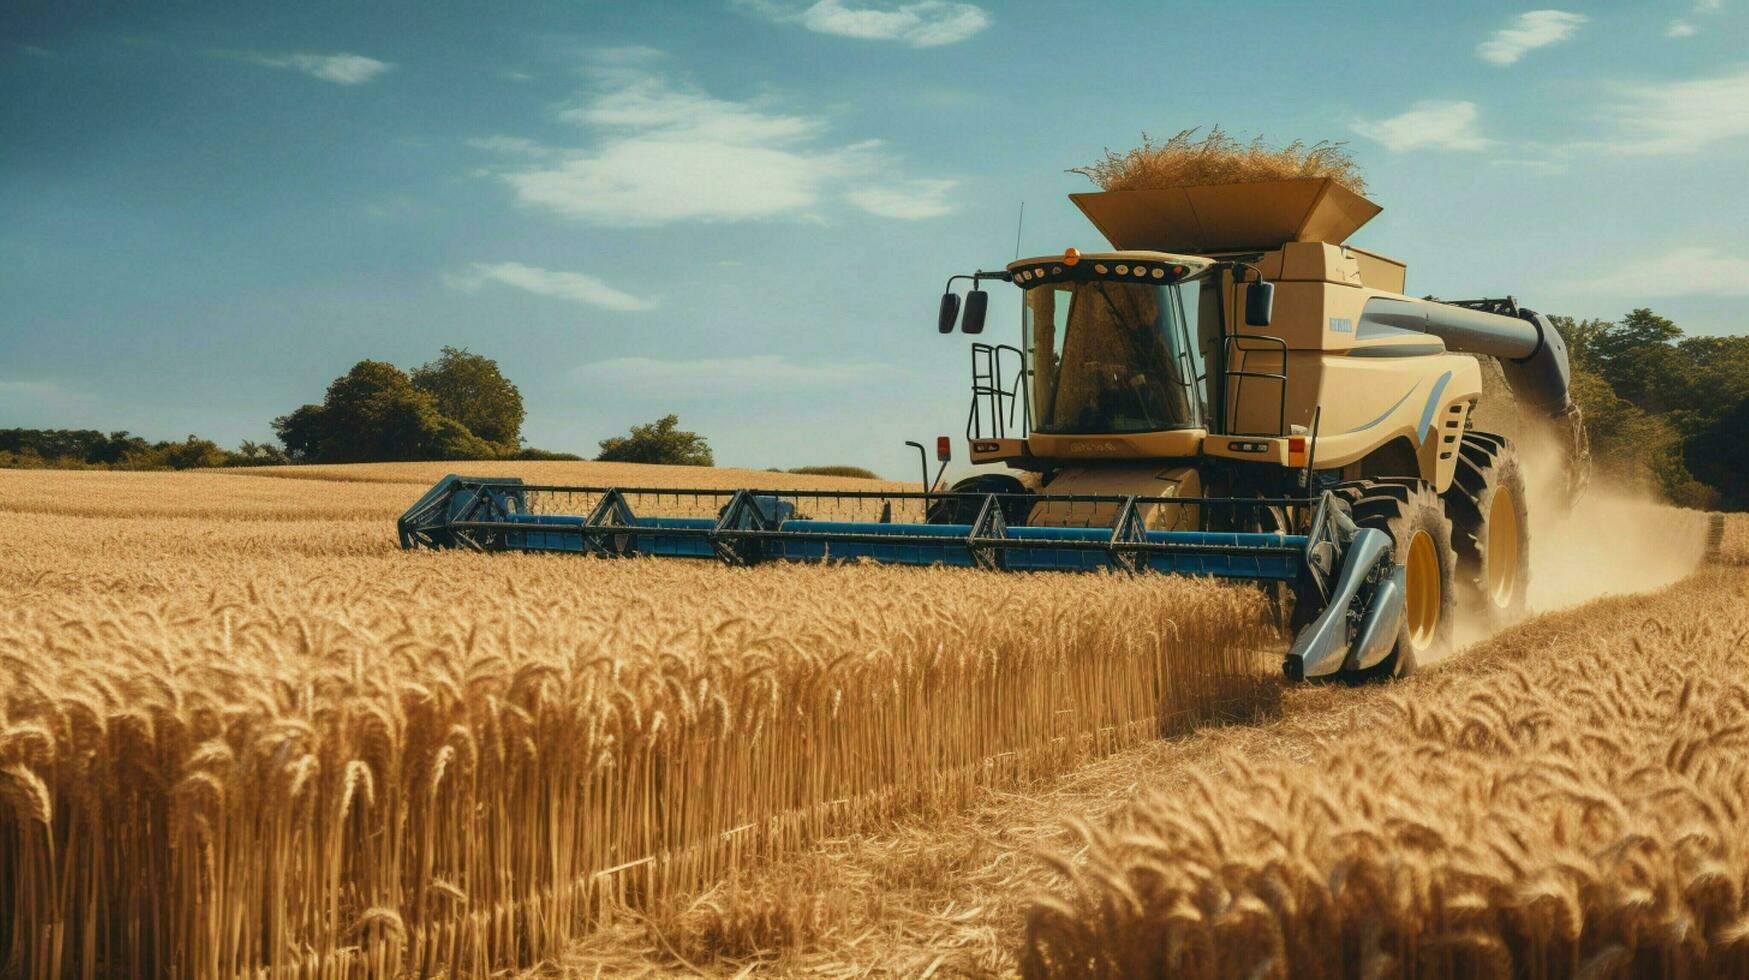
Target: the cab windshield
(1110, 357)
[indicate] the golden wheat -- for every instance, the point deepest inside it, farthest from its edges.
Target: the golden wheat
(350, 492)
(1217, 158)
(1580, 812)
(231, 744)
(572, 472)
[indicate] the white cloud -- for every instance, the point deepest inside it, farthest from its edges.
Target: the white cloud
(925, 24)
(341, 69)
(649, 104)
(909, 200)
(1684, 28)
(1428, 125)
(1694, 270)
(1531, 30)
(670, 152)
(573, 286)
(632, 376)
(1680, 117)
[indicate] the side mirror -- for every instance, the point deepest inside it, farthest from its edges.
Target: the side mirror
(977, 301)
(950, 311)
(1259, 304)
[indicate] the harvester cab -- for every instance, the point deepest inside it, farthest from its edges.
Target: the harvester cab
(1229, 391)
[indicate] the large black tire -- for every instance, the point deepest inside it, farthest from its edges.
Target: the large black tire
(1490, 521)
(964, 510)
(1414, 516)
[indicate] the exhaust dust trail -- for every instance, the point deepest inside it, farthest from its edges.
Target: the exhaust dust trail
(1610, 542)
(1615, 540)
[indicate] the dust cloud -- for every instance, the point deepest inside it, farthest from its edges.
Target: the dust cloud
(1612, 541)
(1615, 539)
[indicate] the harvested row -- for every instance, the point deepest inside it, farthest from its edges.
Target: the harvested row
(1574, 812)
(217, 762)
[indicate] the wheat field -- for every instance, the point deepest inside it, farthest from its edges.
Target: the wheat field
(1572, 802)
(241, 732)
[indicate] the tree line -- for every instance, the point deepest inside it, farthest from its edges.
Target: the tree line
(459, 406)
(1664, 409)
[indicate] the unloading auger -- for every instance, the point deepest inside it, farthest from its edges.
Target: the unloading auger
(1332, 459)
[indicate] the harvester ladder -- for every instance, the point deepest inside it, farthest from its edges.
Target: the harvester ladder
(1236, 344)
(995, 403)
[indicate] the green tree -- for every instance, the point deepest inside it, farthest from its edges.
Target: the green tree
(1717, 379)
(662, 441)
(1632, 445)
(303, 432)
(1581, 336)
(195, 453)
(470, 389)
(258, 454)
(373, 412)
(1719, 455)
(1639, 358)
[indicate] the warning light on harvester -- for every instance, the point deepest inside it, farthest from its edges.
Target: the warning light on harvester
(1296, 451)
(1071, 256)
(943, 449)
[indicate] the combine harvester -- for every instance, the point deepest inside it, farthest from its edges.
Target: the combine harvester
(1231, 392)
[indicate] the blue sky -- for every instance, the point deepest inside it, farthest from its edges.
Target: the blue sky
(743, 211)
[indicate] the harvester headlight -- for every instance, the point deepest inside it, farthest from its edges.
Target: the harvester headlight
(1100, 268)
(1159, 273)
(1141, 271)
(1123, 270)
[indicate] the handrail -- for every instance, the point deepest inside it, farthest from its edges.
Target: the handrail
(991, 395)
(1230, 411)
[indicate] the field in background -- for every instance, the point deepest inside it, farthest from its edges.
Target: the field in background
(575, 472)
(239, 729)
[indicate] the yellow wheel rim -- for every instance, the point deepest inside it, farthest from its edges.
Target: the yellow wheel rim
(1424, 588)
(1504, 544)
